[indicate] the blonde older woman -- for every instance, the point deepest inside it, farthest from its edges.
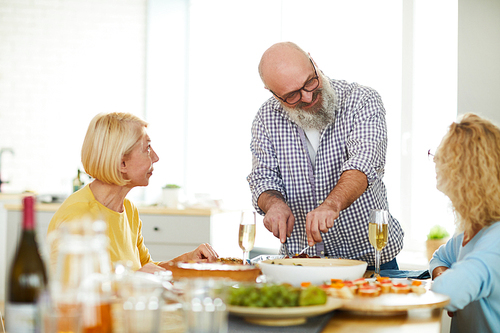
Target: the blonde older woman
(466, 268)
(117, 153)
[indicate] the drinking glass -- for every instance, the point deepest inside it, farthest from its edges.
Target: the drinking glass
(246, 237)
(141, 300)
(377, 233)
(204, 305)
(80, 280)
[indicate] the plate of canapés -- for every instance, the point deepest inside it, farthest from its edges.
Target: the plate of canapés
(383, 295)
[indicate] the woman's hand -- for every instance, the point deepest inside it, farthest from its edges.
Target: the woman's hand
(151, 268)
(438, 271)
(204, 253)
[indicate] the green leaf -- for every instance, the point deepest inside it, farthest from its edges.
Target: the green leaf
(171, 186)
(437, 232)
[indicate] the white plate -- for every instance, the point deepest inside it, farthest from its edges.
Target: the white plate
(388, 304)
(283, 316)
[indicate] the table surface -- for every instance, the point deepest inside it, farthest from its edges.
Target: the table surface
(421, 320)
(418, 320)
(413, 321)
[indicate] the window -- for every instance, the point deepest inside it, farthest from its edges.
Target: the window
(203, 56)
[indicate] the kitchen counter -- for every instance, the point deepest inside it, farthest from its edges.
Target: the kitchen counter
(156, 210)
(12, 196)
(5, 199)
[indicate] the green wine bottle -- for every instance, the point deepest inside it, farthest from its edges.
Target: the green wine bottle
(77, 182)
(27, 278)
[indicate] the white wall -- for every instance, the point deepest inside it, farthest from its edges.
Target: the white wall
(479, 58)
(61, 63)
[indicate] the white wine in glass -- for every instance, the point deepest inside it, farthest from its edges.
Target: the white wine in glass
(246, 238)
(377, 233)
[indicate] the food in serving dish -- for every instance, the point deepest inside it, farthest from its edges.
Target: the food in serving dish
(382, 285)
(417, 287)
(314, 270)
(400, 288)
(276, 295)
(283, 316)
(301, 255)
(230, 260)
(391, 303)
(385, 284)
(369, 290)
(236, 272)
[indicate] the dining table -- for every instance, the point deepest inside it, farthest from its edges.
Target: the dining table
(421, 319)
(424, 319)
(414, 321)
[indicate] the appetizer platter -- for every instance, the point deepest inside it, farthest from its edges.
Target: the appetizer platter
(384, 296)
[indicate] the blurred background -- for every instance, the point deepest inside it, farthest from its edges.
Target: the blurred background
(189, 67)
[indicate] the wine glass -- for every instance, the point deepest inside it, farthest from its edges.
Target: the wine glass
(377, 233)
(246, 237)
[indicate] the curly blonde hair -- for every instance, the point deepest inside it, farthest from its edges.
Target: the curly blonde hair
(468, 168)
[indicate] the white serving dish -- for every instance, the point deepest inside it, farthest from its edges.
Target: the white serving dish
(314, 270)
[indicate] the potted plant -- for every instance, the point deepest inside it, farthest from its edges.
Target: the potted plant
(170, 195)
(437, 236)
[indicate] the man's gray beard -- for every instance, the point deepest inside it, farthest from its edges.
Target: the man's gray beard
(320, 117)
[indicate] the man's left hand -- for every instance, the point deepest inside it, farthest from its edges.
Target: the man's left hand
(351, 184)
(320, 219)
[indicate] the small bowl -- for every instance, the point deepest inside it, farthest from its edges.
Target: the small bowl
(314, 270)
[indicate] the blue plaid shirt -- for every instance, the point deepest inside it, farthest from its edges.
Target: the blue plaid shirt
(356, 140)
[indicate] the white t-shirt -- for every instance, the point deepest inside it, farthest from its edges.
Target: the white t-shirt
(312, 136)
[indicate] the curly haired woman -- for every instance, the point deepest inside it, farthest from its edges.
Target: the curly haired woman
(466, 268)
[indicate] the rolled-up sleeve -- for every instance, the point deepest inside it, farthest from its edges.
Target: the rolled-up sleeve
(367, 142)
(265, 175)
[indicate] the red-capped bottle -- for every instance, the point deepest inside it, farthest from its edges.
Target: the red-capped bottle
(27, 278)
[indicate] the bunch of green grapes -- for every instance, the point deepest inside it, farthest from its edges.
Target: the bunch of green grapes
(275, 295)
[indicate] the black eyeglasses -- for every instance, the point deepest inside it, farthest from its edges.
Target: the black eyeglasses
(295, 96)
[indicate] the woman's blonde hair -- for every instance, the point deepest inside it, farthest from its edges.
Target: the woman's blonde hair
(109, 138)
(468, 162)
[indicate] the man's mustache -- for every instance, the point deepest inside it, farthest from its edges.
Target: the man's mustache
(301, 105)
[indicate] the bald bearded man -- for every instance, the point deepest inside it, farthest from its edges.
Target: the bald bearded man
(319, 148)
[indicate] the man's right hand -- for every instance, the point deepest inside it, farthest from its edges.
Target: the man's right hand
(279, 218)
